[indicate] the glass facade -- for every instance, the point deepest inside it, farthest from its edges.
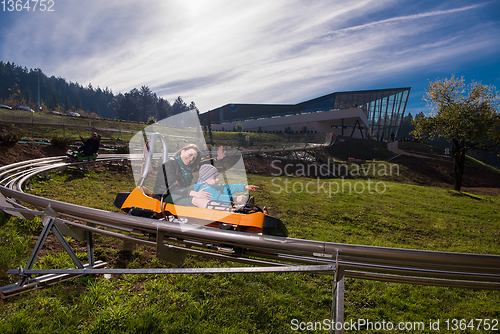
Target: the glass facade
(385, 112)
(384, 109)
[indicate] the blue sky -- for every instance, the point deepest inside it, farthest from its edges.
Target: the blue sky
(215, 52)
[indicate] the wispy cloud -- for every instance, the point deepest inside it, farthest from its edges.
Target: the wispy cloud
(409, 18)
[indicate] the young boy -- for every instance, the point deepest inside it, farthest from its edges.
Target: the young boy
(208, 180)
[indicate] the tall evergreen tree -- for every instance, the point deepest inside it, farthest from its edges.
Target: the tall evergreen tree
(67, 103)
(52, 102)
(78, 104)
(129, 108)
(405, 131)
(179, 106)
(164, 108)
(147, 103)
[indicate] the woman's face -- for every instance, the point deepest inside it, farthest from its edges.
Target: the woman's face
(188, 156)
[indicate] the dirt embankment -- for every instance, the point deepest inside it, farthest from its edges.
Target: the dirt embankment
(23, 152)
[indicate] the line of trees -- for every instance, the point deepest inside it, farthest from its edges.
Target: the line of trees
(19, 86)
(144, 105)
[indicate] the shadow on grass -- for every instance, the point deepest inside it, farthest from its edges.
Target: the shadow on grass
(465, 194)
(73, 174)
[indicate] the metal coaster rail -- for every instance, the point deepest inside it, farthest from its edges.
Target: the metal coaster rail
(174, 241)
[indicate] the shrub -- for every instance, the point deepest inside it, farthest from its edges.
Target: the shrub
(122, 149)
(61, 142)
(10, 138)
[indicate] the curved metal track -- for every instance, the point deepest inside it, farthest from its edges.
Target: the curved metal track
(174, 241)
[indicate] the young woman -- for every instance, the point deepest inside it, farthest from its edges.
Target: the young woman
(175, 177)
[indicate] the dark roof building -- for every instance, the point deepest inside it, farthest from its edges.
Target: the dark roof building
(372, 114)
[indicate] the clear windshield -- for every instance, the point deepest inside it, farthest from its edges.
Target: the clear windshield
(160, 162)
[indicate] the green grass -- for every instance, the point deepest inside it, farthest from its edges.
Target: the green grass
(392, 215)
(404, 215)
(421, 147)
(96, 189)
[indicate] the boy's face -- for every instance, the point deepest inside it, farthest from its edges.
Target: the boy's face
(213, 180)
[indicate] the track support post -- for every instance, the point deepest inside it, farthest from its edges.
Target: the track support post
(167, 253)
(338, 286)
(90, 248)
(26, 281)
(49, 225)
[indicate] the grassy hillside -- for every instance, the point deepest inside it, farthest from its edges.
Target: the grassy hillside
(393, 214)
(432, 168)
(363, 149)
(46, 126)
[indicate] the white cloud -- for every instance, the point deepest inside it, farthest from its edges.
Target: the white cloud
(221, 51)
(409, 18)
